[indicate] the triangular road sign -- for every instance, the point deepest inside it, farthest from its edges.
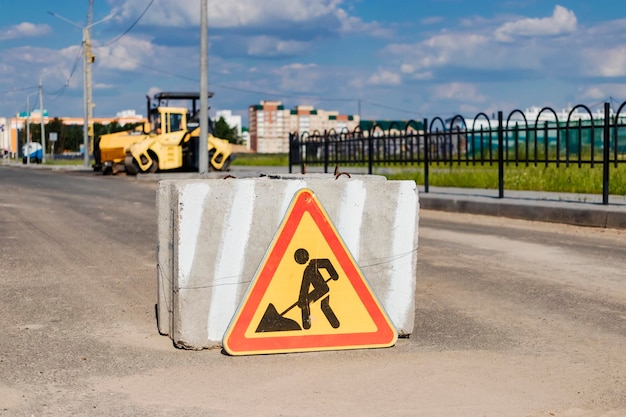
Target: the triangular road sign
(308, 294)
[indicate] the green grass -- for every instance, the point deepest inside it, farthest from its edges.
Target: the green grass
(49, 162)
(261, 159)
(64, 162)
(571, 179)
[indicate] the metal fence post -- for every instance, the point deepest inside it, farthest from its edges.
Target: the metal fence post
(500, 157)
(606, 154)
(370, 153)
(291, 150)
(426, 155)
(326, 148)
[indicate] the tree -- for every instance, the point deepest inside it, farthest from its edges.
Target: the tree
(56, 126)
(224, 131)
(69, 137)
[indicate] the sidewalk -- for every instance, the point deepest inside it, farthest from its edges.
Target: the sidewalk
(575, 209)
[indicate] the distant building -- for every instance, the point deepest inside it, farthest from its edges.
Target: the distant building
(268, 133)
(245, 138)
(391, 126)
(9, 141)
(5, 137)
(271, 123)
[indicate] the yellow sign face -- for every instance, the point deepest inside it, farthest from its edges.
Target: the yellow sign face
(308, 294)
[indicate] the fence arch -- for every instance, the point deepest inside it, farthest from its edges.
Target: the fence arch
(515, 131)
(522, 138)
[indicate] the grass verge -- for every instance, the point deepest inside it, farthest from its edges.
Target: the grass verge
(261, 159)
(572, 179)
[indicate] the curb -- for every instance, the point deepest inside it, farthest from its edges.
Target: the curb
(564, 211)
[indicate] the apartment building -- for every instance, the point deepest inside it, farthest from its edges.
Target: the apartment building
(270, 124)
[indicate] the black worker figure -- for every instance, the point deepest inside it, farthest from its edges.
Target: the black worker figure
(312, 277)
(273, 321)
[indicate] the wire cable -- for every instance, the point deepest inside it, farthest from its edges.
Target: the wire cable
(58, 93)
(383, 106)
(131, 26)
(13, 90)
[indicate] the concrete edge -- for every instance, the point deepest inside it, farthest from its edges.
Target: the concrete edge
(567, 213)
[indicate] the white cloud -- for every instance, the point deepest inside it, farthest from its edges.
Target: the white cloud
(233, 13)
(608, 29)
(609, 62)
(411, 71)
(441, 50)
(562, 21)
(24, 30)
(299, 77)
(126, 54)
(35, 56)
(250, 12)
(385, 77)
(351, 24)
(603, 91)
(269, 28)
(474, 47)
(269, 46)
(594, 93)
(407, 68)
(458, 91)
(298, 66)
(103, 86)
(27, 64)
(153, 90)
(422, 76)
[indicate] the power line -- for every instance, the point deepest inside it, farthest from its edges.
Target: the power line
(131, 26)
(173, 74)
(243, 90)
(279, 94)
(251, 91)
(311, 96)
(58, 93)
(13, 90)
(282, 94)
(53, 95)
(384, 106)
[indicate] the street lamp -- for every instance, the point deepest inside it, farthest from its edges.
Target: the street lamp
(87, 61)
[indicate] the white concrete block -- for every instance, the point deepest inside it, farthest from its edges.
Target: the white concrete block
(213, 235)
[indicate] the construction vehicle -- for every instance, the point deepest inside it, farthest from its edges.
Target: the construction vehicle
(110, 149)
(168, 140)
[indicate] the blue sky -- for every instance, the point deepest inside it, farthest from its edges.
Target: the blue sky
(399, 59)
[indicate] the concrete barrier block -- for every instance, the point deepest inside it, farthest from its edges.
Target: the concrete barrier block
(165, 218)
(215, 234)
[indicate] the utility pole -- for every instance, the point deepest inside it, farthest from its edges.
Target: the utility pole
(88, 59)
(28, 129)
(43, 129)
(86, 83)
(203, 151)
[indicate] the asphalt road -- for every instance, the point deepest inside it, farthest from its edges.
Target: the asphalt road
(513, 318)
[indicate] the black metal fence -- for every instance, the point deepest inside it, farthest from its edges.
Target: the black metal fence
(579, 137)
